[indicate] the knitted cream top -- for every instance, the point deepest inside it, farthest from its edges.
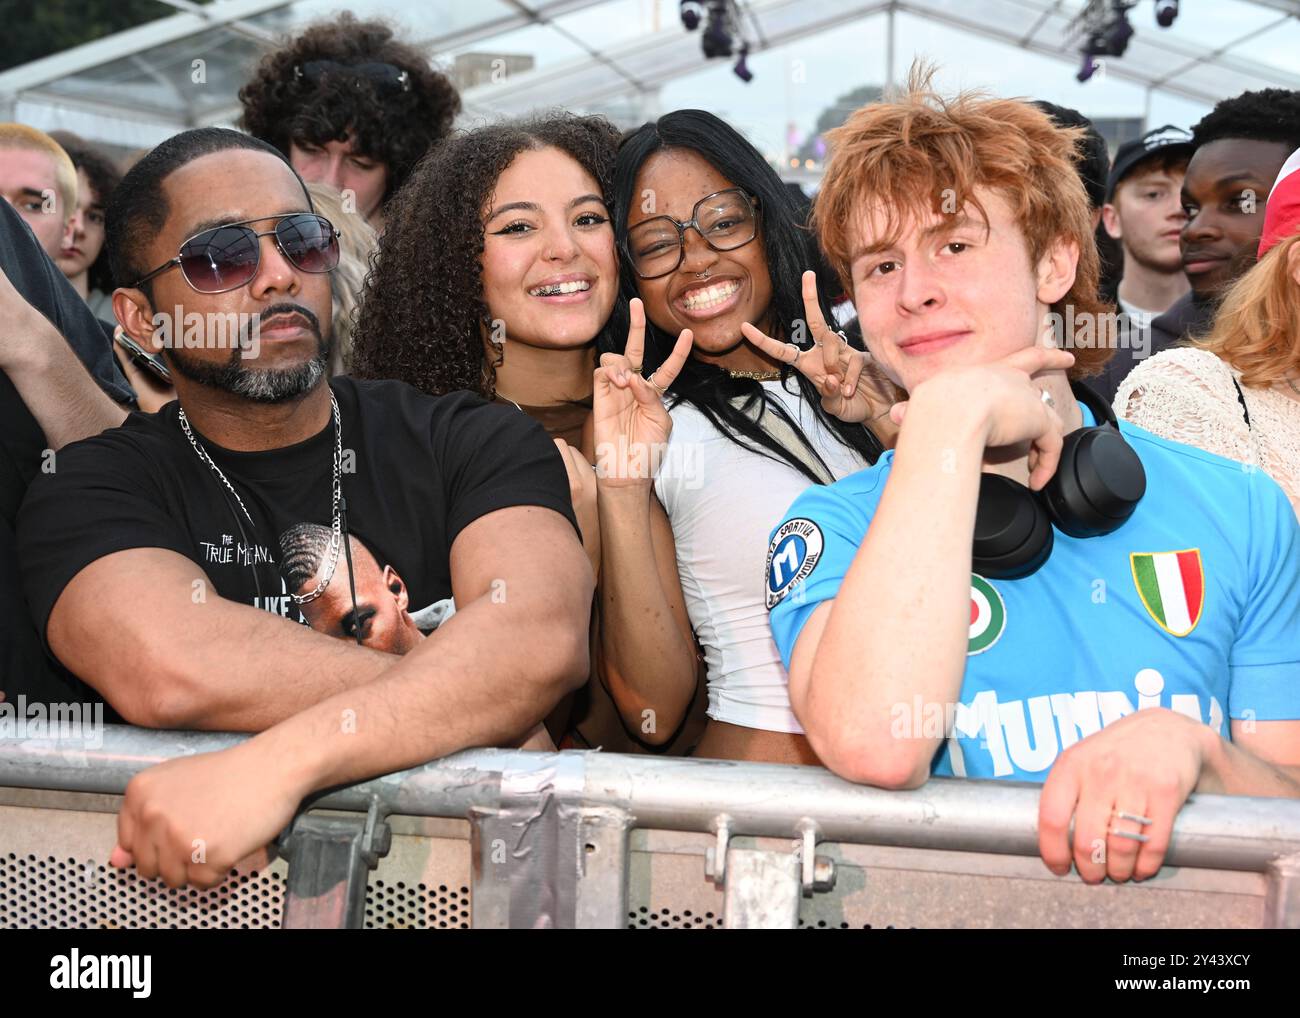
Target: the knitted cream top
(1186, 395)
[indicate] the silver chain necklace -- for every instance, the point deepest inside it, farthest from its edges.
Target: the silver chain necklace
(336, 529)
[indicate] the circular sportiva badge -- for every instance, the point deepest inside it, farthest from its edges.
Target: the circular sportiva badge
(988, 615)
(791, 556)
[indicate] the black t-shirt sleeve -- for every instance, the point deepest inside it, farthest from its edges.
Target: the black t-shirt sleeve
(44, 287)
(493, 457)
(102, 497)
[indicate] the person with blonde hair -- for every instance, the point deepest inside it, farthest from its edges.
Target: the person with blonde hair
(1023, 588)
(357, 242)
(38, 179)
(1237, 391)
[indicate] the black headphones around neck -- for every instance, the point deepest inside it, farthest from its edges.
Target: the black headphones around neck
(1095, 489)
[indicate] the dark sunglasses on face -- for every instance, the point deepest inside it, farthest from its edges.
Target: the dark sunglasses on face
(725, 220)
(227, 257)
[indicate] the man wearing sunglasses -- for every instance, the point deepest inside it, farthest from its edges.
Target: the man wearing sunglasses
(150, 554)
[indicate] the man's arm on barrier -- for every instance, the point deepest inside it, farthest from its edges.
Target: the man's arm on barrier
(516, 644)
(1263, 759)
(146, 628)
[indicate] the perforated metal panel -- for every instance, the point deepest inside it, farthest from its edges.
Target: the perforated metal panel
(684, 919)
(80, 894)
(645, 918)
(51, 876)
(402, 906)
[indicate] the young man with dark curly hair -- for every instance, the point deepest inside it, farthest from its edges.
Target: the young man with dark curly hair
(149, 556)
(352, 106)
(1237, 150)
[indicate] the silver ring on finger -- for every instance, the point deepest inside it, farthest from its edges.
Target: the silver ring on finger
(655, 385)
(1119, 814)
(1047, 398)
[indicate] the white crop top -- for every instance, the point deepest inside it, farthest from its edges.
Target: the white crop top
(723, 502)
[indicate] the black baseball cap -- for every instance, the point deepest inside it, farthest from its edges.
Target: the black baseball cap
(1167, 140)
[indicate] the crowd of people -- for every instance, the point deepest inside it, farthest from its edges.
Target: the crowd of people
(380, 440)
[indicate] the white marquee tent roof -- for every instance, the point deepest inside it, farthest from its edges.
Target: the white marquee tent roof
(632, 58)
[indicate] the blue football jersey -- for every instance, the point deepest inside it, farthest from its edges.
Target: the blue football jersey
(1193, 604)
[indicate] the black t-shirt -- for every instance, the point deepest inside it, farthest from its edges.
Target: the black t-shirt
(416, 470)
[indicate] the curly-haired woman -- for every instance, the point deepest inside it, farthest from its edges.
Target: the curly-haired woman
(497, 274)
(716, 250)
(351, 106)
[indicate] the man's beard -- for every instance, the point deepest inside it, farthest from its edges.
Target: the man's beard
(258, 386)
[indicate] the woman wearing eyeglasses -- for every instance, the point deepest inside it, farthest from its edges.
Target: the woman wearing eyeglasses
(709, 423)
(497, 273)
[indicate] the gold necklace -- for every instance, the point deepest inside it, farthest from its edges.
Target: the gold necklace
(757, 376)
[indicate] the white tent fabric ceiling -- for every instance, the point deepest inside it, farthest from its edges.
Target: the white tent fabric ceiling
(137, 86)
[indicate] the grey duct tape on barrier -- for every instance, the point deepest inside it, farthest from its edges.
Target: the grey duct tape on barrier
(540, 800)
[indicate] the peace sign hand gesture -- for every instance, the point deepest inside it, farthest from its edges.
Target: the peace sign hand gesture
(629, 419)
(851, 387)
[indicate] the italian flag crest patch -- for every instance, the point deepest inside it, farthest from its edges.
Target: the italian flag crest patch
(1172, 587)
(988, 615)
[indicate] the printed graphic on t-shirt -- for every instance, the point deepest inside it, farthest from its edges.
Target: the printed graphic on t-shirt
(791, 556)
(229, 551)
(1022, 736)
(1172, 587)
(366, 601)
(988, 615)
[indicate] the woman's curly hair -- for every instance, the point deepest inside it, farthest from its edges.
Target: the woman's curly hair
(392, 125)
(423, 317)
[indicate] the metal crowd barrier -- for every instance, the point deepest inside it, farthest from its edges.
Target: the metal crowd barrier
(506, 838)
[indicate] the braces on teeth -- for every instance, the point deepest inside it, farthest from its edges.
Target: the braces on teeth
(574, 286)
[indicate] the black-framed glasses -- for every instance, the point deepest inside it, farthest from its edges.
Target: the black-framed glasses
(725, 220)
(226, 257)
